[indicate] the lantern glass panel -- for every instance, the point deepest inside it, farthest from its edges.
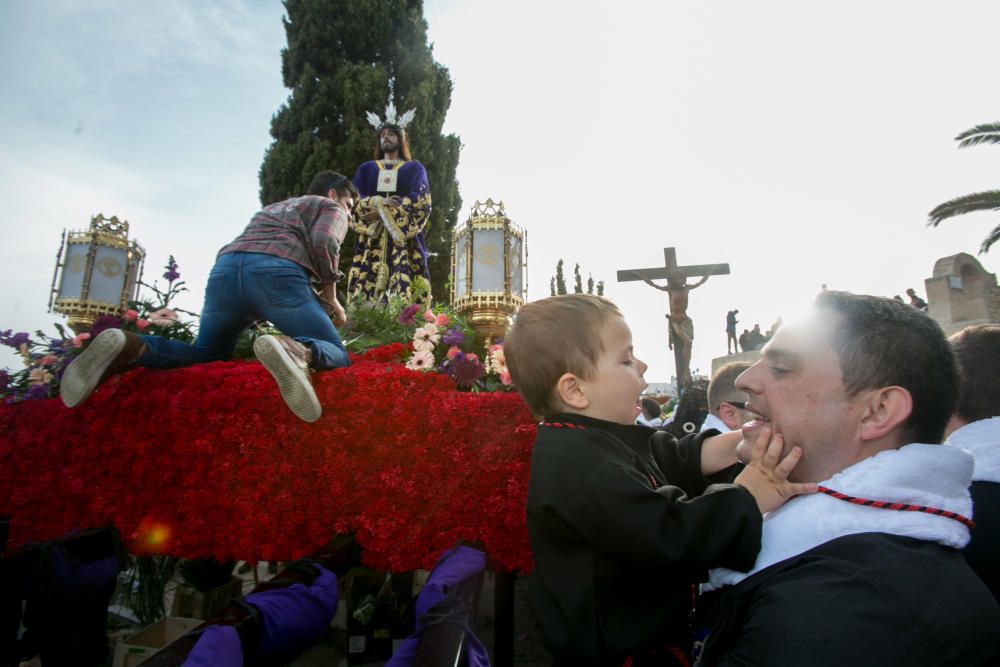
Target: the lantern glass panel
(488, 260)
(461, 265)
(108, 277)
(516, 263)
(74, 265)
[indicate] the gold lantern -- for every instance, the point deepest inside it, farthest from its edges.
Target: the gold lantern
(488, 269)
(98, 274)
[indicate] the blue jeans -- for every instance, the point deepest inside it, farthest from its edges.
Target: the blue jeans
(244, 287)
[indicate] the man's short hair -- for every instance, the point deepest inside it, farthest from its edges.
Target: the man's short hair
(650, 408)
(978, 351)
(884, 343)
(325, 181)
(723, 389)
(550, 337)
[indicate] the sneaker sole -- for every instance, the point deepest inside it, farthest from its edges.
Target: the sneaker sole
(83, 375)
(295, 389)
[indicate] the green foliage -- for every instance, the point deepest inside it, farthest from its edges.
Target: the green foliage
(557, 284)
(989, 200)
(147, 579)
(339, 62)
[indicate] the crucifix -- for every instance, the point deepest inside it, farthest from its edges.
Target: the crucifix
(681, 327)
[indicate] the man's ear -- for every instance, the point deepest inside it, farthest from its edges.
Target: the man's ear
(884, 411)
(569, 390)
(729, 415)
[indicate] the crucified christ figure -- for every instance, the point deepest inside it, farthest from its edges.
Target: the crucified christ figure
(681, 327)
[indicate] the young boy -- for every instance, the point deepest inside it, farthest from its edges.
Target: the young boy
(622, 519)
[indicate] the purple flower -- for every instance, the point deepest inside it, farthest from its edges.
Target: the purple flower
(453, 337)
(409, 314)
(464, 371)
(171, 273)
(103, 323)
(17, 340)
(37, 392)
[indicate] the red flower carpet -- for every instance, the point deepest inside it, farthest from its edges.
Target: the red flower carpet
(207, 460)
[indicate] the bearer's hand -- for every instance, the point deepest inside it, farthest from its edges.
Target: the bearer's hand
(766, 477)
(337, 314)
(369, 215)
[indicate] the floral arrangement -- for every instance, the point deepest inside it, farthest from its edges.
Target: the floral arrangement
(400, 459)
(438, 339)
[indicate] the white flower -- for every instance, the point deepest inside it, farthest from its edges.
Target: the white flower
(428, 332)
(420, 344)
(422, 360)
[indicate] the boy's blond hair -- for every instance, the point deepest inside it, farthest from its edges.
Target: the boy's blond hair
(550, 337)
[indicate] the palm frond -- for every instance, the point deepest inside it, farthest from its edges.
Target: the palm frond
(978, 201)
(988, 133)
(990, 239)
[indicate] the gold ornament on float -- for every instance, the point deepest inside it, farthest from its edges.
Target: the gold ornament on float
(98, 274)
(488, 269)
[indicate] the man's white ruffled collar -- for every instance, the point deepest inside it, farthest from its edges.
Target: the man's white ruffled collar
(916, 474)
(982, 440)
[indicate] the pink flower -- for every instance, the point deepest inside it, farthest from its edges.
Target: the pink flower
(130, 315)
(163, 317)
(505, 378)
(422, 360)
(48, 360)
(442, 320)
(454, 351)
(38, 376)
(79, 338)
(429, 316)
(471, 356)
(141, 325)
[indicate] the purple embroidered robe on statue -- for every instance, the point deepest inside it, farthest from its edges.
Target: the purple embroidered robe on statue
(390, 251)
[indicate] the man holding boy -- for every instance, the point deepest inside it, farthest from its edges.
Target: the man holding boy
(622, 518)
(283, 269)
(868, 571)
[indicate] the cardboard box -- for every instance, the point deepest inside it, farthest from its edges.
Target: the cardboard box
(192, 603)
(137, 647)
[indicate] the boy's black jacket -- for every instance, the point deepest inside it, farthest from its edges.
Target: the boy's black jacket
(622, 523)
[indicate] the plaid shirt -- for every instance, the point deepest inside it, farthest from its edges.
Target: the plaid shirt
(307, 230)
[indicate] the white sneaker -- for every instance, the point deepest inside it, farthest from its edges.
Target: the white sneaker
(287, 360)
(86, 372)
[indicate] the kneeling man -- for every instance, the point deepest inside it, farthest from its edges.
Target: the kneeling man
(869, 571)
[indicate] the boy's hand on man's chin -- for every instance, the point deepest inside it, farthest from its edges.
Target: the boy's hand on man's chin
(766, 472)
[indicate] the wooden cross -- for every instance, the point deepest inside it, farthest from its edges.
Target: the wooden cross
(681, 327)
(672, 269)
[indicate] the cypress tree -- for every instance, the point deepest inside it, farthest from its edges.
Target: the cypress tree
(577, 281)
(560, 280)
(552, 286)
(590, 283)
(600, 288)
(341, 57)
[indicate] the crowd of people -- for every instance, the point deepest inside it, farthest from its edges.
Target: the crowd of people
(822, 506)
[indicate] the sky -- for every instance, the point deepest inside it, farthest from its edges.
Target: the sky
(801, 143)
